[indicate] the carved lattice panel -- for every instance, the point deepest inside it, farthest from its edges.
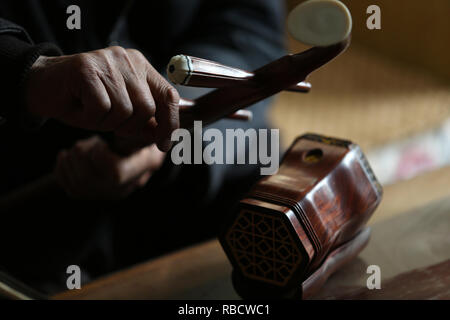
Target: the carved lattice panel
(263, 247)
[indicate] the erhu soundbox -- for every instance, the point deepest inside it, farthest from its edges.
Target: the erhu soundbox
(295, 228)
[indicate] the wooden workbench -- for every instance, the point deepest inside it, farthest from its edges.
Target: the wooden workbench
(410, 243)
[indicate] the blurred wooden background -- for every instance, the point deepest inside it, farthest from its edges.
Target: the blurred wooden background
(390, 84)
(413, 31)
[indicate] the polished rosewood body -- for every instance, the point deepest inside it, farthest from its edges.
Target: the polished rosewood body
(295, 227)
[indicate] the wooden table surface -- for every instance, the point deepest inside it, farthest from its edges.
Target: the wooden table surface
(410, 241)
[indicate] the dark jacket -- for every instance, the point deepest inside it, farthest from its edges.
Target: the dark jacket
(51, 231)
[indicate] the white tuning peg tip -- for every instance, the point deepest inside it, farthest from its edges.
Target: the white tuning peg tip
(320, 22)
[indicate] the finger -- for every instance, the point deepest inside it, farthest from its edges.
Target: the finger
(167, 117)
(88, 144)
(121, 106)
(142, 180)
(122, 170)
(148, 133)
(143, 108)
(136, 183)
(156, 157)
(108, 164)
(96, 103)
(92, 103)
(136, 164)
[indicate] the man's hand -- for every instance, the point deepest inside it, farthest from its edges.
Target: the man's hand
(91, 171)
(112, 89)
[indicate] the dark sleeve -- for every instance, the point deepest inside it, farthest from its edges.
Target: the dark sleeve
(17, 55)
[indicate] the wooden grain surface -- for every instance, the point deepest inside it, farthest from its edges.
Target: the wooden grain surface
(191, 273)
(412, 234)
(411, 31)
(432, 283)
(387, 86)
(364, 97)
(406, 195)
(413, 240)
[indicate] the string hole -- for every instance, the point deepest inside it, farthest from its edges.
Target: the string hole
(313, 156)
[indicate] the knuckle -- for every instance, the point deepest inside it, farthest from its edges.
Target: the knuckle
(87, 75)
(81, 58)
(126, 111)
(103, 106)
(103, 109)
(84, 61)
(136, 53)
(171, 96)
(148, 108)
(173, 125)
(119, 114)
(118, 51)
(172, 99)
(139, 59)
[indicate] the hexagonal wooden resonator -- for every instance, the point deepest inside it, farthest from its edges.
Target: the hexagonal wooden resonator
(264, 247)
(295, 228)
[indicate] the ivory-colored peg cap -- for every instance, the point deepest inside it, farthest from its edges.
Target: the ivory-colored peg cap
(320, 22)
(179, 69)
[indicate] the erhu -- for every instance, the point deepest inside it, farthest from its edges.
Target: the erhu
(292, 230)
